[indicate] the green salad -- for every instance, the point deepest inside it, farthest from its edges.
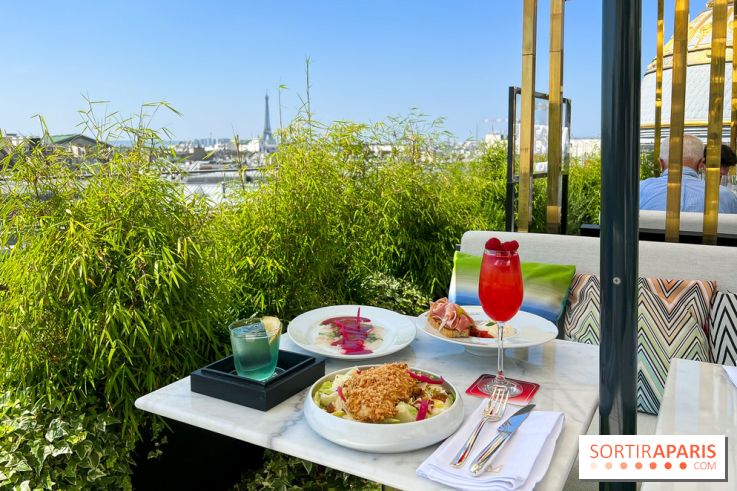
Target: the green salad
(428, 399)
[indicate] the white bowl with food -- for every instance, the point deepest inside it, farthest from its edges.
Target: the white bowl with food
(383, 408)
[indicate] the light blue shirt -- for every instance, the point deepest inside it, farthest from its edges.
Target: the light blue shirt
(653, 193)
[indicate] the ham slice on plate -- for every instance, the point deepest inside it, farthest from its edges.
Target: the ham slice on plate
(449, 315)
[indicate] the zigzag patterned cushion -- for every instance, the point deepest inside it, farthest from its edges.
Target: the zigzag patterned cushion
(665, 331)
(673, 322)
(581, 322)
(680, 296)
(723, 333)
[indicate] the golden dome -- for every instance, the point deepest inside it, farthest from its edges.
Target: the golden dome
(698, 78)
(699, 40)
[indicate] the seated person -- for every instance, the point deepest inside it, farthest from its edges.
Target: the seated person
(728, 159)
(653, 191)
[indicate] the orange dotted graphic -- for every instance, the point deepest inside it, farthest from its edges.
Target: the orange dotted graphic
(623, 465)
(593, 465)
(638, 465)
(668, 465)
(683, 465)
(653, 465)
(608, 465)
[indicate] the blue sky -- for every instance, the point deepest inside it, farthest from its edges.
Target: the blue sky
(214, 60)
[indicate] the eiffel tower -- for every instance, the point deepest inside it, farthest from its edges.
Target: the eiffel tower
(267, 138)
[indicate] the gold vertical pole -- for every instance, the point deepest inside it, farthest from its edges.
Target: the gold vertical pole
(733, 122)
(527, 115)
(659, 85)
(555, 120)
(716, 118)
(677, 106)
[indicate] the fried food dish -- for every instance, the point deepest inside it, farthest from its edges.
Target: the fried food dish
(372, 395)
(391, 393)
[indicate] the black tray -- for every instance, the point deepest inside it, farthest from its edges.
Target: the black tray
(219, 380)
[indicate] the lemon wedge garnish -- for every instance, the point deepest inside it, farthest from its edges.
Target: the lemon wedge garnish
(272, 325)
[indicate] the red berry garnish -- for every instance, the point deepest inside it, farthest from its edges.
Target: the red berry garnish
(494, 244)
(510, 246)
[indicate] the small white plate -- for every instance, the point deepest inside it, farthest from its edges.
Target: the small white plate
(383, 438)
(399, 330)
(530, 330)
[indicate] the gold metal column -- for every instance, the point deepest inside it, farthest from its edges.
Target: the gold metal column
(527, 115)
(733, 123)
(659, 86)
(677, 106)
(555, 120)
(716, 107)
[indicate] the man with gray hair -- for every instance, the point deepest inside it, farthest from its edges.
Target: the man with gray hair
(653, 191)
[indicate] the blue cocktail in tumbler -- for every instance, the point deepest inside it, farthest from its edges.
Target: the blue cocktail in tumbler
(255, 343)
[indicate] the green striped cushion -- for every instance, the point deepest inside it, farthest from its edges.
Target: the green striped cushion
(545, 285)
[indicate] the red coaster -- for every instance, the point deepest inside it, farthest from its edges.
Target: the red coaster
(528, 389)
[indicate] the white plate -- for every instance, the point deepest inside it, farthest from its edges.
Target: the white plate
(399, 330)
(383, 438)
(530, 330)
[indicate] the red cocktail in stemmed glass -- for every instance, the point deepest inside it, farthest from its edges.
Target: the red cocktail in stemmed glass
(500, 293)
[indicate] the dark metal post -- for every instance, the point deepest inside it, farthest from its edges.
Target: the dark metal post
(620, 122)
(511, 120)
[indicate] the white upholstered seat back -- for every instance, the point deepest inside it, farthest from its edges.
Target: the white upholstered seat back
(657, 259)
(690, 222)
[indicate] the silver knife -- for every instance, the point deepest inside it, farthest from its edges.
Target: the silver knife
(506, 430)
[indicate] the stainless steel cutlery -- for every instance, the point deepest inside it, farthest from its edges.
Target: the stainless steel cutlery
(505, 432)
(493, 411)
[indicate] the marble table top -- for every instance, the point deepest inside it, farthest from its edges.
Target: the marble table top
(567, 373)
(699, 399)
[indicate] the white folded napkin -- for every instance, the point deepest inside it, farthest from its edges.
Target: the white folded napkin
(524, 458)
(732, 374)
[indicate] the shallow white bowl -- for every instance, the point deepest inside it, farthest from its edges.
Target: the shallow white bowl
(383, 438)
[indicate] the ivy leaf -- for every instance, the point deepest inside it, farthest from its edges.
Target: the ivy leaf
(64, 450)
(77, 437)
(56, 430)
(95, 473)
(48, 483)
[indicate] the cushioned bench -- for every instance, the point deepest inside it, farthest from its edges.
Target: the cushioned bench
(652, 228)
(690, 222)
(658, 260)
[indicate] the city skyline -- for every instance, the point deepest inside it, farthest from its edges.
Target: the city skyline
(369, 61)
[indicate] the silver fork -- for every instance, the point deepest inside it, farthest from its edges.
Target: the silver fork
(493, 411)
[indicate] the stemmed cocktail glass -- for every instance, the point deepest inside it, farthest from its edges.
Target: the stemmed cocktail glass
(500, 293)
